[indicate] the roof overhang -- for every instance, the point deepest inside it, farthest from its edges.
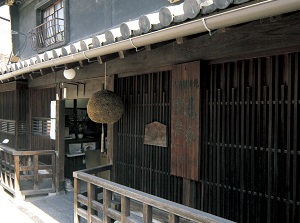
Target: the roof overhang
(64, 55)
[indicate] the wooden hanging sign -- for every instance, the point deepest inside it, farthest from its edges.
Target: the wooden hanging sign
(185, 120)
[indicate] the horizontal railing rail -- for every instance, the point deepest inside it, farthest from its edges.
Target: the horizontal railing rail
(95, 208)
(23, 174)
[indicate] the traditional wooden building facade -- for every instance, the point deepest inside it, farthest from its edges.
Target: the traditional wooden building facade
(211, 98)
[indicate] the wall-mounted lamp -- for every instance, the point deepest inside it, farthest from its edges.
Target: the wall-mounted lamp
(69, 73)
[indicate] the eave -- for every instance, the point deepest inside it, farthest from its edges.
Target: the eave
(92, 48)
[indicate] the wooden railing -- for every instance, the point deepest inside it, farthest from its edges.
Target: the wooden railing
(22, 174)
(98, 203)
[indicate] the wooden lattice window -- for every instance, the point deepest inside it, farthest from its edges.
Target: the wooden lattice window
(41, 126)
(53, 20)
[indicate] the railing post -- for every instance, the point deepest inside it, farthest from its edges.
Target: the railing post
(173, 218)
(106, 205)
(53, 163)
(91, 197)
(17, 174)
(125, 208)
(76, 203)
(36, 172)
(5, 168)
(147, 213)
(11, 169)
(1, 170)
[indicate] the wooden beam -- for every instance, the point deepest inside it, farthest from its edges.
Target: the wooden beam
(12, 86)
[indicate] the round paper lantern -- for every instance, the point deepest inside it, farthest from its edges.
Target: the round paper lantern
(69, 73)
(105, 107)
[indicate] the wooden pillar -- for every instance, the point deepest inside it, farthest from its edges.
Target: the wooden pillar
(60, 145)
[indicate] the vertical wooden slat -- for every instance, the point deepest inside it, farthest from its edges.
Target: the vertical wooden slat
(218, 180)
(210, 151)
(53, 163)
(17, 174)
(270, 136)
(237, 141)
(247, 159)
(295, 139)
(254, 163)
(264, 152)
(205, 186)
(228, 148)
(214, 145)
(36, 172)
(173, 218)
(288, 139)
(106, 205)
(258, 130)
(76, 203)
(91, 197)
(232, 140)
(147, 213)
(11, 170)
(224, 167)
(276, 137)
(242, 129)
(125, 208)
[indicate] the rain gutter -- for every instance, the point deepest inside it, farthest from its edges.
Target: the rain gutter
(232, 17)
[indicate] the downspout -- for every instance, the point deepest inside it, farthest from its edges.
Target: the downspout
(233, 17)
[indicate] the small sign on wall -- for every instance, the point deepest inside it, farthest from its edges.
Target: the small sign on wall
(156, 134)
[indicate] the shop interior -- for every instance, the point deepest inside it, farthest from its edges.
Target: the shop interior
(85, 140)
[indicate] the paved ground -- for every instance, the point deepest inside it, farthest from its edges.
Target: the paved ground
(38, 209)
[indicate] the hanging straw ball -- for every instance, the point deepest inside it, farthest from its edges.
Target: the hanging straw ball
(105, 107)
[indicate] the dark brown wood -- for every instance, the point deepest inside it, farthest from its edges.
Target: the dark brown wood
(295, 139)
(258, 129)
(276, 139)
(270, 124)
(253, 120)
(184, 121)
(288, 69)
(247, 146)
(189, 191)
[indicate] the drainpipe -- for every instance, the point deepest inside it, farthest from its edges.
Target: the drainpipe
(224, 19)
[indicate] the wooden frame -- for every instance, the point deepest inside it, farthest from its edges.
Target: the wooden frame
(13, 173)
(127, 197)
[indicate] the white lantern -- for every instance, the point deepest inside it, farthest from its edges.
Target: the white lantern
(69, 73)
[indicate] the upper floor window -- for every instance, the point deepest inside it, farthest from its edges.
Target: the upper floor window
(51, 30)
(53, 23)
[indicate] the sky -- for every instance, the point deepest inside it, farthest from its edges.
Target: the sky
(5, 37)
